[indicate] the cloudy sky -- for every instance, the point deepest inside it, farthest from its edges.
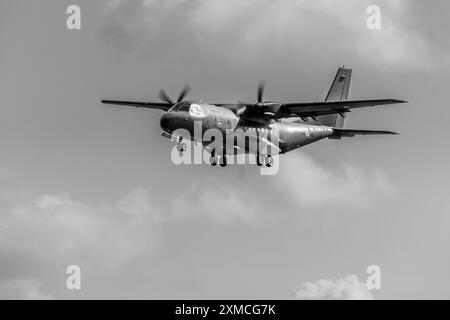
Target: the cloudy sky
(93, 185)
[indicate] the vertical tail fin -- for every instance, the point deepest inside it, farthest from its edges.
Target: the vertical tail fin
(338, 92)
(340, 86)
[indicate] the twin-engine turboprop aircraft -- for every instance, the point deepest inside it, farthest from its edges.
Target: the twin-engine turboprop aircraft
(309, 121)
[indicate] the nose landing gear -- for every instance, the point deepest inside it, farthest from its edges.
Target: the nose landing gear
(181, 147)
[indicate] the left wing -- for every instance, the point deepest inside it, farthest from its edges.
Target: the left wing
(151, 105)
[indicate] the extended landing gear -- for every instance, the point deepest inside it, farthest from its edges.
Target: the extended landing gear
(223, 161)
(181, 147)
(215, 159)
(269, 161)
(261, 160)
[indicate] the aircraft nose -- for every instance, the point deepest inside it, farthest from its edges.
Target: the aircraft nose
(165, 122)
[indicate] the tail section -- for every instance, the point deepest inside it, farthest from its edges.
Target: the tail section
(340, 86)
(338, 92)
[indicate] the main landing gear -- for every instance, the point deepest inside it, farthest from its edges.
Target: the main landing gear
(264, 160)
(215, 159)
(223, 161)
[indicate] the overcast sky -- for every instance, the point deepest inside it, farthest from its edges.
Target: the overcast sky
(93, 185)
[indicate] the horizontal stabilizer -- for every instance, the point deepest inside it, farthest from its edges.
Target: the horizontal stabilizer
(351, 133)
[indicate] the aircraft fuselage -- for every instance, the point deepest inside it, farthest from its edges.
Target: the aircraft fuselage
(289, 135)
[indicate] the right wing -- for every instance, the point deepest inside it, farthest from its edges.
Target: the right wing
(328, 107)
(262, 114)
(151, 105)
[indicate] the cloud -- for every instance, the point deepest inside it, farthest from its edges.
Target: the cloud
(216, 201)
(42, 236)
(301, 182)
(22, 289)
(347, 288)
(54, 225)
(310, 185)
(138, 205)
(264, 30)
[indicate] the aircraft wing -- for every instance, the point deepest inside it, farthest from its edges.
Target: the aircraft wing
(249, 111)
(151, 105)
(305, 109)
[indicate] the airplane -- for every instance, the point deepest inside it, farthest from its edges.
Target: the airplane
(297, 123)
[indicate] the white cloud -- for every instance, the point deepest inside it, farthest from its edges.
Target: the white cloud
(52, 226)
(310, 185)
(303, 181)
(217, 201)
(52, 231)
(21, 289)
(264, 28)
(347, 288)
(138, 205)
(48, 201)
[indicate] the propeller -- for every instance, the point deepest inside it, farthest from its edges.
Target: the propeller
(184, 92)
(165, 97)
(269, 108)
(242, 106)
(260, 93)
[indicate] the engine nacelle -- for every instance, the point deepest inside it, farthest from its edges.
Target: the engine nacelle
(269, 108)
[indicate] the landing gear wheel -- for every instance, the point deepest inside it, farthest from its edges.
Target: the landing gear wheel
(269, 161)
(223, 161)
(213, 160)
(259, 160)
(181, 147)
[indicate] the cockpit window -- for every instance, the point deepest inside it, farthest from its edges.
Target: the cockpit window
(196, 110)
(181, 106)
(184, 107)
